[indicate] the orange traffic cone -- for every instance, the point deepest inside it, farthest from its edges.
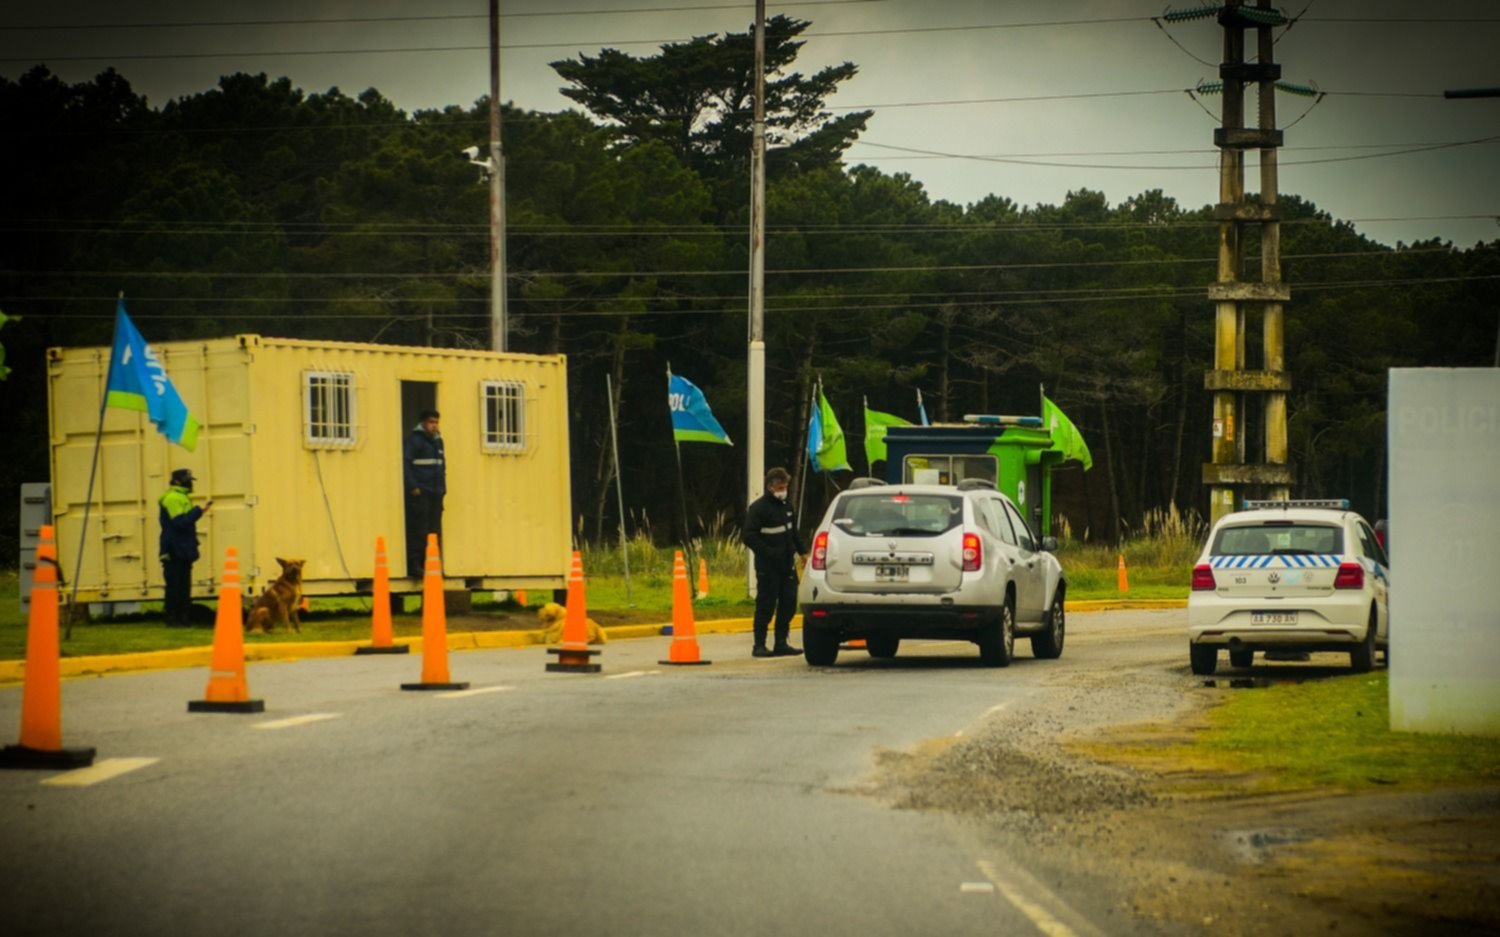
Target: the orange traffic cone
(382, 638)
(684, 647)
(41, 698)
(1124, 578)
(702, 581)
(434, 627)
(573, 656)
(520, 597)
(228, 691)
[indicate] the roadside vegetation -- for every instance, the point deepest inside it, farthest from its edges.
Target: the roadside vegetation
(1157, 562)
(1327, 733)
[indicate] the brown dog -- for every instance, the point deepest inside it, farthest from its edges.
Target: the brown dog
(553, 617)
(280, 602)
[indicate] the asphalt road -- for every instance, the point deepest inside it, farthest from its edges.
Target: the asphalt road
(646, 800)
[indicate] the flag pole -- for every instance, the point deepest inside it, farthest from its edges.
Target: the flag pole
(614, 440)
(687, 536)
(806, 457)
(88, 501)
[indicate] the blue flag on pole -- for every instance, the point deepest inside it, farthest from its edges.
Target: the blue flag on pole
(692, 420)
(921, 410)
(137, 381)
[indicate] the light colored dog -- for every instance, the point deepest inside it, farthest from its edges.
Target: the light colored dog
(553, 616)
(281, 601)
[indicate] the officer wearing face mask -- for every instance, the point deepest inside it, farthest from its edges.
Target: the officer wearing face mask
(179, 545)
(771, 534)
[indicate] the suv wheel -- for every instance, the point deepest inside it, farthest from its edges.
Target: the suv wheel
(821, 648)
(1204, 659)
(1242, 658)
(997, 638)
(1362, 658)
(882, 645)
(1049, 644)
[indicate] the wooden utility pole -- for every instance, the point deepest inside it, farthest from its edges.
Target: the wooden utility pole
(499, 327)
(1232, 383)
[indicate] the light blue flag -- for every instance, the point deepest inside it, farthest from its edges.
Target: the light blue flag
(137, 381)
(921, 410)
(692, 420)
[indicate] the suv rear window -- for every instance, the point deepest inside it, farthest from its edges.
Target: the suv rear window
(898, 515)
(1279, 538)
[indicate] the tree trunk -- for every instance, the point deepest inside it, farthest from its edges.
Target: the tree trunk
(1109, 467)
(947, 319)
(1182, 395)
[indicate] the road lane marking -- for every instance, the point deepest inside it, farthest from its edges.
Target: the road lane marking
(100, 771)
(976, 888)
(942, 643)
(1045, 921)
(296, 721)
(996, 708)
(631, 673)
(477, 691)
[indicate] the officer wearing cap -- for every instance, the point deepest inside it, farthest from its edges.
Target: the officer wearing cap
(179, 545)
(426, 475)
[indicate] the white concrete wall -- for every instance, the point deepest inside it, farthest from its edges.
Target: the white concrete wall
(1444, 432)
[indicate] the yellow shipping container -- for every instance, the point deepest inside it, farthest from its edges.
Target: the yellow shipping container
(301, 452)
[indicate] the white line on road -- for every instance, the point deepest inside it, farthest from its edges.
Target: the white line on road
(1016, 893)
(942, 643)
(477, 691)
(976, 888)
(295, 721)
(100, 771)
(631, 673)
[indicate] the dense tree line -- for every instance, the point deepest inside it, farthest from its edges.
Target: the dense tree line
(257, 207)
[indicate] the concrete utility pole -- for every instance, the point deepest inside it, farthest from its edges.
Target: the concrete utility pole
(498, 323)
(755, 430)
(1230, 381)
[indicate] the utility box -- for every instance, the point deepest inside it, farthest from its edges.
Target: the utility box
(1012, 452)
(301, 452)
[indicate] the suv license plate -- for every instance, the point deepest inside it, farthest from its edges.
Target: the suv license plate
(890, 574)
(1273, 618)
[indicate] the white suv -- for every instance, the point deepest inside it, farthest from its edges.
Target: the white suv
(1289, 576)
(929, 561)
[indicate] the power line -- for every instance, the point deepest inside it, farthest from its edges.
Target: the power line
(795, 271)
(430, 18)
(1196, 293)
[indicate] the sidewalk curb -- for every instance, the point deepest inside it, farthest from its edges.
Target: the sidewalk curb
(14, 671)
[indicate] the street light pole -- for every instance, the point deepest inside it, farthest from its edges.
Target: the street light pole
(498, 322)
(755, 431)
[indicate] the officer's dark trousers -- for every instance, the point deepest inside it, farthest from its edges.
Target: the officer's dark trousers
(775, 596)
(424, 515)
(179, 592)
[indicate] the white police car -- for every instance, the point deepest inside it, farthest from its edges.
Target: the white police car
(1289, 576)
(930, 561)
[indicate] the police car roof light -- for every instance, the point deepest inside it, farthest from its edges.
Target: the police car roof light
(859, 483)
(1031, 422)
(1336, 504)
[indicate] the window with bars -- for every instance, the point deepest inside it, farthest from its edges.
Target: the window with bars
(503, 406)
(328, 409)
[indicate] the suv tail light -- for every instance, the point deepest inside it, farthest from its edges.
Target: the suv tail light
(1350, 576)
(973, 553)
(1203, 578)
(820, 550)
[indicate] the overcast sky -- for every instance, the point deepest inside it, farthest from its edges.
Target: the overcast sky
(912, 54)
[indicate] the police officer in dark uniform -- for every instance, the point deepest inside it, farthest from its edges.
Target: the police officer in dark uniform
(771, 534)
(179, 546)
(426, 483)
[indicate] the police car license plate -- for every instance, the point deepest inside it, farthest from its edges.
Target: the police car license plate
(1273, 618)
(890, 573)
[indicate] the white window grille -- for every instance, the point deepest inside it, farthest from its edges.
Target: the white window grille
(502, 405)
(328, 409)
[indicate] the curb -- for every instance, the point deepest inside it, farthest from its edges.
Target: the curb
(14, 671)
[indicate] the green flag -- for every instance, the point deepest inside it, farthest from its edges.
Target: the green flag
(1065, 436)
(825, 438)
(876, 423)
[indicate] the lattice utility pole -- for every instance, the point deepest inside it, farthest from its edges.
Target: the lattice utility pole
(1231, 381)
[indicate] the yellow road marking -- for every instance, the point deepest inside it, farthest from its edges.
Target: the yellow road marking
(100, 771)
(295, 721)
(477, 691)
(1038, 915)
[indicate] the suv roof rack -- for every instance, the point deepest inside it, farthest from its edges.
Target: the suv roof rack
(969, 484)
(1335, 504)
(858, 483)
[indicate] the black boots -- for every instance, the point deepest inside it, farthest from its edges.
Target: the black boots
(783, 649)
(762, 651)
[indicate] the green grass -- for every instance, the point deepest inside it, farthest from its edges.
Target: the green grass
(1333, 733)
